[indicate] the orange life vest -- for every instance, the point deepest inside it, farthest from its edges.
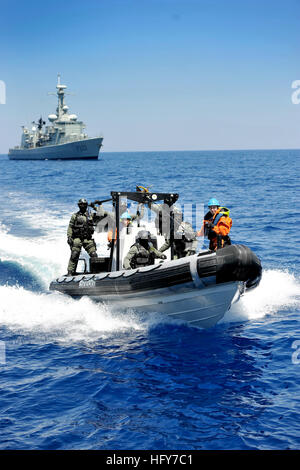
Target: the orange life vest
(221, 225)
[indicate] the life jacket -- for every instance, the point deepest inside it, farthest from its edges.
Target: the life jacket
(110, 235)
(83, 226)
(222, 212)
(222, 238)
(128, 229)
(143, 258)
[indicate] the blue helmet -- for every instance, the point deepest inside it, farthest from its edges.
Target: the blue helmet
(126, 215)
(213, 202)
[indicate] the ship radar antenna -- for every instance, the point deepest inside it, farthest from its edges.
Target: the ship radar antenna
(41, 123)
(60, 93)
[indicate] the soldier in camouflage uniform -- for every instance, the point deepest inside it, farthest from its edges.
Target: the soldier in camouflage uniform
(185, 242)
(142, 253)
(162, 219)
(80, 231)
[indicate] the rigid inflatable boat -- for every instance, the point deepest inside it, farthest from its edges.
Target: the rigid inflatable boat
(197, 289)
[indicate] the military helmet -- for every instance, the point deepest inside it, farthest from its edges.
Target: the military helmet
(82, 201)
(143, 235)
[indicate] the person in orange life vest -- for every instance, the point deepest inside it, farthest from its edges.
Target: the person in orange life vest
(126, 221)
(216, 225)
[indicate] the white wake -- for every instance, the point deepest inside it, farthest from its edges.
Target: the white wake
(59, 317)
(277, 290)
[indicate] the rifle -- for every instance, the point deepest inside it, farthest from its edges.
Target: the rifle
(98, 203)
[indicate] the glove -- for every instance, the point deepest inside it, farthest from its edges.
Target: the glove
(190, 252)
(70, 241)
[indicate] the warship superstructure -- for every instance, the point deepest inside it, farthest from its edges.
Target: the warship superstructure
(63, 139)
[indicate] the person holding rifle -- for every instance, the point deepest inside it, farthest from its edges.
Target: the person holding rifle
(80, 232)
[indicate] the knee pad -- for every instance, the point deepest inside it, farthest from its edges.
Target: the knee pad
(90, 247)
(77, 243)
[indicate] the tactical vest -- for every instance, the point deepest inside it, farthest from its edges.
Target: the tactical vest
(83, 226)
(142, 258)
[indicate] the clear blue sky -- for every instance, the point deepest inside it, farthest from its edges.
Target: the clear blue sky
(156, 74)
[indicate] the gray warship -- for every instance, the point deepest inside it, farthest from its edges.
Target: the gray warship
(63, 139)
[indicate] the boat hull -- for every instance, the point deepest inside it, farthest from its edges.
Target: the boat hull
(87, 149)
(198, 289)
(200, 308)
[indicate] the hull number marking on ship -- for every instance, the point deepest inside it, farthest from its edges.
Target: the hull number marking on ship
(81, 148)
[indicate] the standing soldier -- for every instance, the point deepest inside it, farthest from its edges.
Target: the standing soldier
(80, 232)
(185, 242)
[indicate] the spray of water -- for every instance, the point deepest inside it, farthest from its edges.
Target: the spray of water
(43, 257)
(277, 290)
(59, 317)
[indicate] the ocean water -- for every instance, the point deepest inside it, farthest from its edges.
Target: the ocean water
(75, 376)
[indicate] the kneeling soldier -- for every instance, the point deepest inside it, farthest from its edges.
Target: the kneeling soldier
(142, 253)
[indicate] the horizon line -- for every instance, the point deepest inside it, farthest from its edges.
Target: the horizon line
(199, 150)
(190, 150)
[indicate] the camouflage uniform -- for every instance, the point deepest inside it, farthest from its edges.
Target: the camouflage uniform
(80, 231)
(184, 246)
(139, 256)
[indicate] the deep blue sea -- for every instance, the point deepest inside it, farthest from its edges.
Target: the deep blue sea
(75, 376)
